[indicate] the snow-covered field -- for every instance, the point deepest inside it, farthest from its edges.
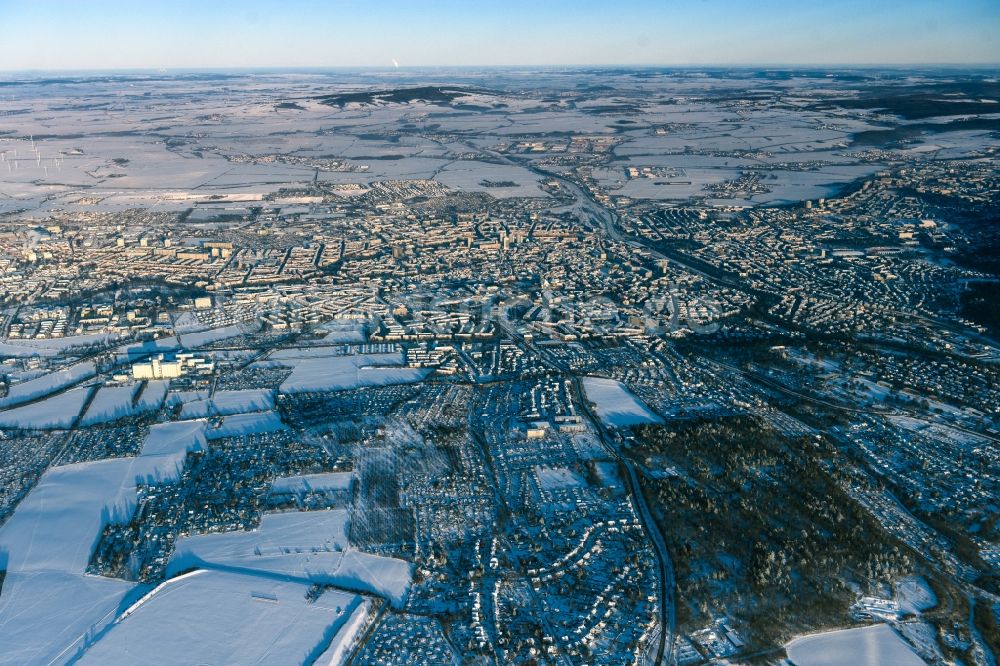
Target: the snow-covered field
(247, 424)
(229, 402)
(877, 645)
(48, 542)
(110, 403)
(322, 370)
(557, 478)
(469, 176)
(116, 402)
(48, 383)
(214, 617)
(165, 447)
(915, 595)
(53, 346)
(59, 411)
(201, 338)
(313, 482)
(46, 617)
(615, 404)
(344, 330)
(153, 395)
(56, 525)
(308, 546)
(175, 398)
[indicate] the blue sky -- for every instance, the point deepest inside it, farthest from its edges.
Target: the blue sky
(111, 34)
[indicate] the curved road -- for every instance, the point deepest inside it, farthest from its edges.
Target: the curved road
(667, 611)
(668, 615)
(607, 220)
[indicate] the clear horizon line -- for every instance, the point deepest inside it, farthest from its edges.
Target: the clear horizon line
(389, 67)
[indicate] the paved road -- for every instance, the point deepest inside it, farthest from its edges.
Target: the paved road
(608, 221)
(517, 566)
(667, 611)
(668, 604)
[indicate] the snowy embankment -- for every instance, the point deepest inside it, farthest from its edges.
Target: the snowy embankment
(323, 369)
(866, 646)
(615, 405)
(347, 637)
(310, 546)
